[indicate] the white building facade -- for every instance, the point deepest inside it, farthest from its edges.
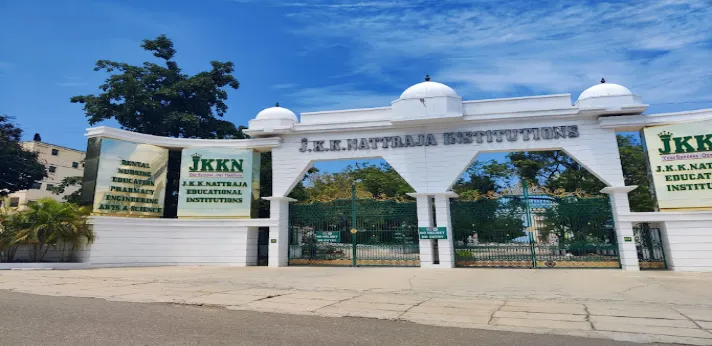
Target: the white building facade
(430, 136)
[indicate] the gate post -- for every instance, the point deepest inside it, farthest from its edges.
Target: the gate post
(279, 233)
(446, 249)
(425, 219)
(624, 229)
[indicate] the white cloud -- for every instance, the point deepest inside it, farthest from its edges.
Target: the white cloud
(660, 49)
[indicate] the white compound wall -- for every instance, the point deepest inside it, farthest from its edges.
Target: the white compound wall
(144, 242)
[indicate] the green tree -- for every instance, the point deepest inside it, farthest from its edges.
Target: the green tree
(484, 177)
(380, 181)
(74, 197)
(162, 100)
(159, 99)
(9, 226)
(554, 170)
(20, 168)
(635, 173)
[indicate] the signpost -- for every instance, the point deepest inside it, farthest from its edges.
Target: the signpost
(327, 237)
(432, 232)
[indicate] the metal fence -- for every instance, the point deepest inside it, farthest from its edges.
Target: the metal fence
(357, 232)
(649, 245)
(530, 231)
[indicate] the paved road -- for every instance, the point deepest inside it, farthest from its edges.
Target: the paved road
(42, 320)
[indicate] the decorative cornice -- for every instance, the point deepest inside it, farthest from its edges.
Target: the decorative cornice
(155, 222)
(637, 122)
(613, 189)
(279, 198)
(259, 144)
(450, 194)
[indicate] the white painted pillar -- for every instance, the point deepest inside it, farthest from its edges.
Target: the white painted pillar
(251, 244)
(279, 234)
(624, 229)
(446, 249)
(425, 219)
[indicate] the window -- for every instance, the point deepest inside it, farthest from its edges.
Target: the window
(55, 152)
(14, 202)
(52, 169)
(37, 186)
(75, 164)
(49, 187)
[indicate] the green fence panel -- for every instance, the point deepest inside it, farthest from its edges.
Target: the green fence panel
(534, 232)
(387, 233)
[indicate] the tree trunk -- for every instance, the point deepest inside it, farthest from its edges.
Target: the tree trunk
(10, 256)
(46, 248)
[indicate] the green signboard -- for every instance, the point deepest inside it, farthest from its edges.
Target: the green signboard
(217, 182)
(432, 232)
(328, 237)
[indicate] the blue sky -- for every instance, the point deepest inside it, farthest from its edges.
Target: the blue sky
(318, 54)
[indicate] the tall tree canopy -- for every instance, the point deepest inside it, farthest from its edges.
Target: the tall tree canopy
(161, 99)
(20, 168)
(554, 169)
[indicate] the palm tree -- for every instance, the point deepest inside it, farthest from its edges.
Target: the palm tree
(47, 222)
(9, 225)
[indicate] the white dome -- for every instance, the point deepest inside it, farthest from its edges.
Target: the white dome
(604, 89)
(427, 89)
(277, 113)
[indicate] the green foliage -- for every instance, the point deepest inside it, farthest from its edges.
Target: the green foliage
(554, 170)
(484, 177)
(9, 226)
(74, 197)
(371, 181)
(380, 180)
(494, 220)
(162, 100)
(45, 223)
(635, 173)
(20, 168)
(578, 221)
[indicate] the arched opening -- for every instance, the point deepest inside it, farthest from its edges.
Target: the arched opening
(534, 210)
(353, 213)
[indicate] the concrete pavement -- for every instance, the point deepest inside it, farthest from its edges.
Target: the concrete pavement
(665, 307)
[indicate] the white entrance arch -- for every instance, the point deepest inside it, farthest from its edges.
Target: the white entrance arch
(430, 136)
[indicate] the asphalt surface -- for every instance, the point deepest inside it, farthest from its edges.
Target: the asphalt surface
(46, 320)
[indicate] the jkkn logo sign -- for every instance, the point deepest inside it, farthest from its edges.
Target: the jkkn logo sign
(685, 147)
(215, 168)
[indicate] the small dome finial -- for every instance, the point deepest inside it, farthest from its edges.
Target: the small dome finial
(427, 78)
(276, 104)
(603, 80)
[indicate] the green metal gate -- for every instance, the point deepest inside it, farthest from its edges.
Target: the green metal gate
(649, 245)
(356, 232)
(534, 230)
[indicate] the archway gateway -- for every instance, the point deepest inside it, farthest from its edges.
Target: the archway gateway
(429, 136)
